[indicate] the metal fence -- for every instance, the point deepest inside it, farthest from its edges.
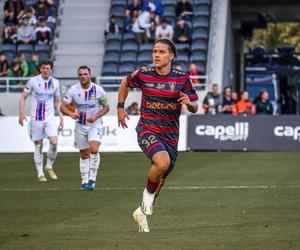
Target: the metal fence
(109, 83)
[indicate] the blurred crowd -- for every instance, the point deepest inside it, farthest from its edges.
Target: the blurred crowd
(143, 18)
(229, 102)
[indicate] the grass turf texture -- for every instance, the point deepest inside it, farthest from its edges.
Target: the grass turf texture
(56, 215)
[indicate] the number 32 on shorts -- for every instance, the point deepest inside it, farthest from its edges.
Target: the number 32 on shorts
(149, 141)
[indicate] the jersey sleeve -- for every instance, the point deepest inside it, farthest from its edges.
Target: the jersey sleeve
(189, 90)
(133, 80)
(28, 86)
(103, 99)
(68, 98)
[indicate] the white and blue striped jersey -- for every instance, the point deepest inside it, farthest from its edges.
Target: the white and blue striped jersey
(87, 101)
(42, 93)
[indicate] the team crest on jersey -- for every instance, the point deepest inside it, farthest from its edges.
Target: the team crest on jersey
(172, 86)
(161, 86)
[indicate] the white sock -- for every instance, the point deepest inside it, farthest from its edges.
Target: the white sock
(84, 165)
(38, 159)
(139, 211)
(94, 165)
(51, 155)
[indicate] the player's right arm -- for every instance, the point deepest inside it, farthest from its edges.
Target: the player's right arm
(68, 99)
(122, 95)
(22, 101)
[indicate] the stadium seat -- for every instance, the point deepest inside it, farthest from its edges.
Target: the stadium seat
(199, 22)
(117, 10)
(198, 57)
(183, 48)
(111, 56)
(113, 46)
(43, 50)
(8, 48)
(170, 18)
(26, 49)
(169, 10)
(198, 2)
(146, 47)
(168, 2)
(128, 57)
(109, 69)
(113, 37)
(126, 68)
(129, 46)
(144, 59)
(118, 3)
(199, 35)
(129, 37)
(30, 2)
(199, 46)
(181, 59)
(120, 22)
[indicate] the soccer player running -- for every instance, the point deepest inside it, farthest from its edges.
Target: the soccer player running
(164, 91)
(45, 94)
(91, 104)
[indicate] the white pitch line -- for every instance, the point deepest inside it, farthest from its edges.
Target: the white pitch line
(137, 188)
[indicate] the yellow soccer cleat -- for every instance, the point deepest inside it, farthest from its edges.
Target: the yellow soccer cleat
(51, 173)
(42, 178)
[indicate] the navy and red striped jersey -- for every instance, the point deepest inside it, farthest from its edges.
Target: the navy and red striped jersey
(160, 110)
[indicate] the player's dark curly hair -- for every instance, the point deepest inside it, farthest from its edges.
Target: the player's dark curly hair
(170, 44)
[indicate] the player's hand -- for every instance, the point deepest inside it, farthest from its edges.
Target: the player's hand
(22, 117)
(184, 99)
(122, 115)
(91, 118)
(61, 123)
(75, 115)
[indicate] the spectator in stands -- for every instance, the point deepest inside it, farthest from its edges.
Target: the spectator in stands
(263, 105)
(133, 10)
(234, 97)
(16, 6)
(14, 71)
(194, 71)
(4, 65)
(184, 9)
(111, 26)
(9, 28)
(34, 64)
(244, 106)
(142, 25)
(26, 33)
(227, 104)
(31, 17)
(133, 109)
(178, 67)
(182, 32)
(43, 9)
(212, 101)
(164, 30)
(43, 33)
(23, 64)
(154, 5)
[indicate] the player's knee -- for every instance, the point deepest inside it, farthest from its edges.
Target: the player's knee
(94, 150)
(163, 164)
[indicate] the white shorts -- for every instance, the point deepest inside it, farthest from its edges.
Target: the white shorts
(39, 130)
(85, 134)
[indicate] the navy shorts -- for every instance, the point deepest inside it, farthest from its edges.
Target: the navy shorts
(151, 143)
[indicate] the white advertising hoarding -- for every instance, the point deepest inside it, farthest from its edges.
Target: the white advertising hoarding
(15, 138)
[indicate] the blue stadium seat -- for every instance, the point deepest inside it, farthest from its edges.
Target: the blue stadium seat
(111, 57)
(199, 22)
(128, 57)
(197, 2)
(117, 10)
(199, 46)
(43, 50)
(8, 47)
(129, 46)
(26, 49)
(144, 58)
(199, 35)
(146, 47)
(198, 57)
(113, 37)
(129, 37)
(113, 46)
(109, 69)
(183, 48)
(30, 2)
(118, 3)
(168, 2)
(126, 68)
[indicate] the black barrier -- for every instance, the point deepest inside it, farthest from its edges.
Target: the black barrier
(255, 133)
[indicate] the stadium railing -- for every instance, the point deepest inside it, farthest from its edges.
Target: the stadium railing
(5, 85)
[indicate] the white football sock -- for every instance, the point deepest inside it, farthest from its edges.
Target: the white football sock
(94, 165)
(38, 159)
(84, 165)
(51, 155)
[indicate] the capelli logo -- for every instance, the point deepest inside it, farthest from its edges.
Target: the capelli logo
(288, 131)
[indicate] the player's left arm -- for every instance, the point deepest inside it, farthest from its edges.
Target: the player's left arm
(188, 96)
(57, 103)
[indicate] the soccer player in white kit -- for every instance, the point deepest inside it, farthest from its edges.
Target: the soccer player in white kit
(91, 104)
(45, 94)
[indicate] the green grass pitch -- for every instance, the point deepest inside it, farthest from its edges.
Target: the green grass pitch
(211, 201)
